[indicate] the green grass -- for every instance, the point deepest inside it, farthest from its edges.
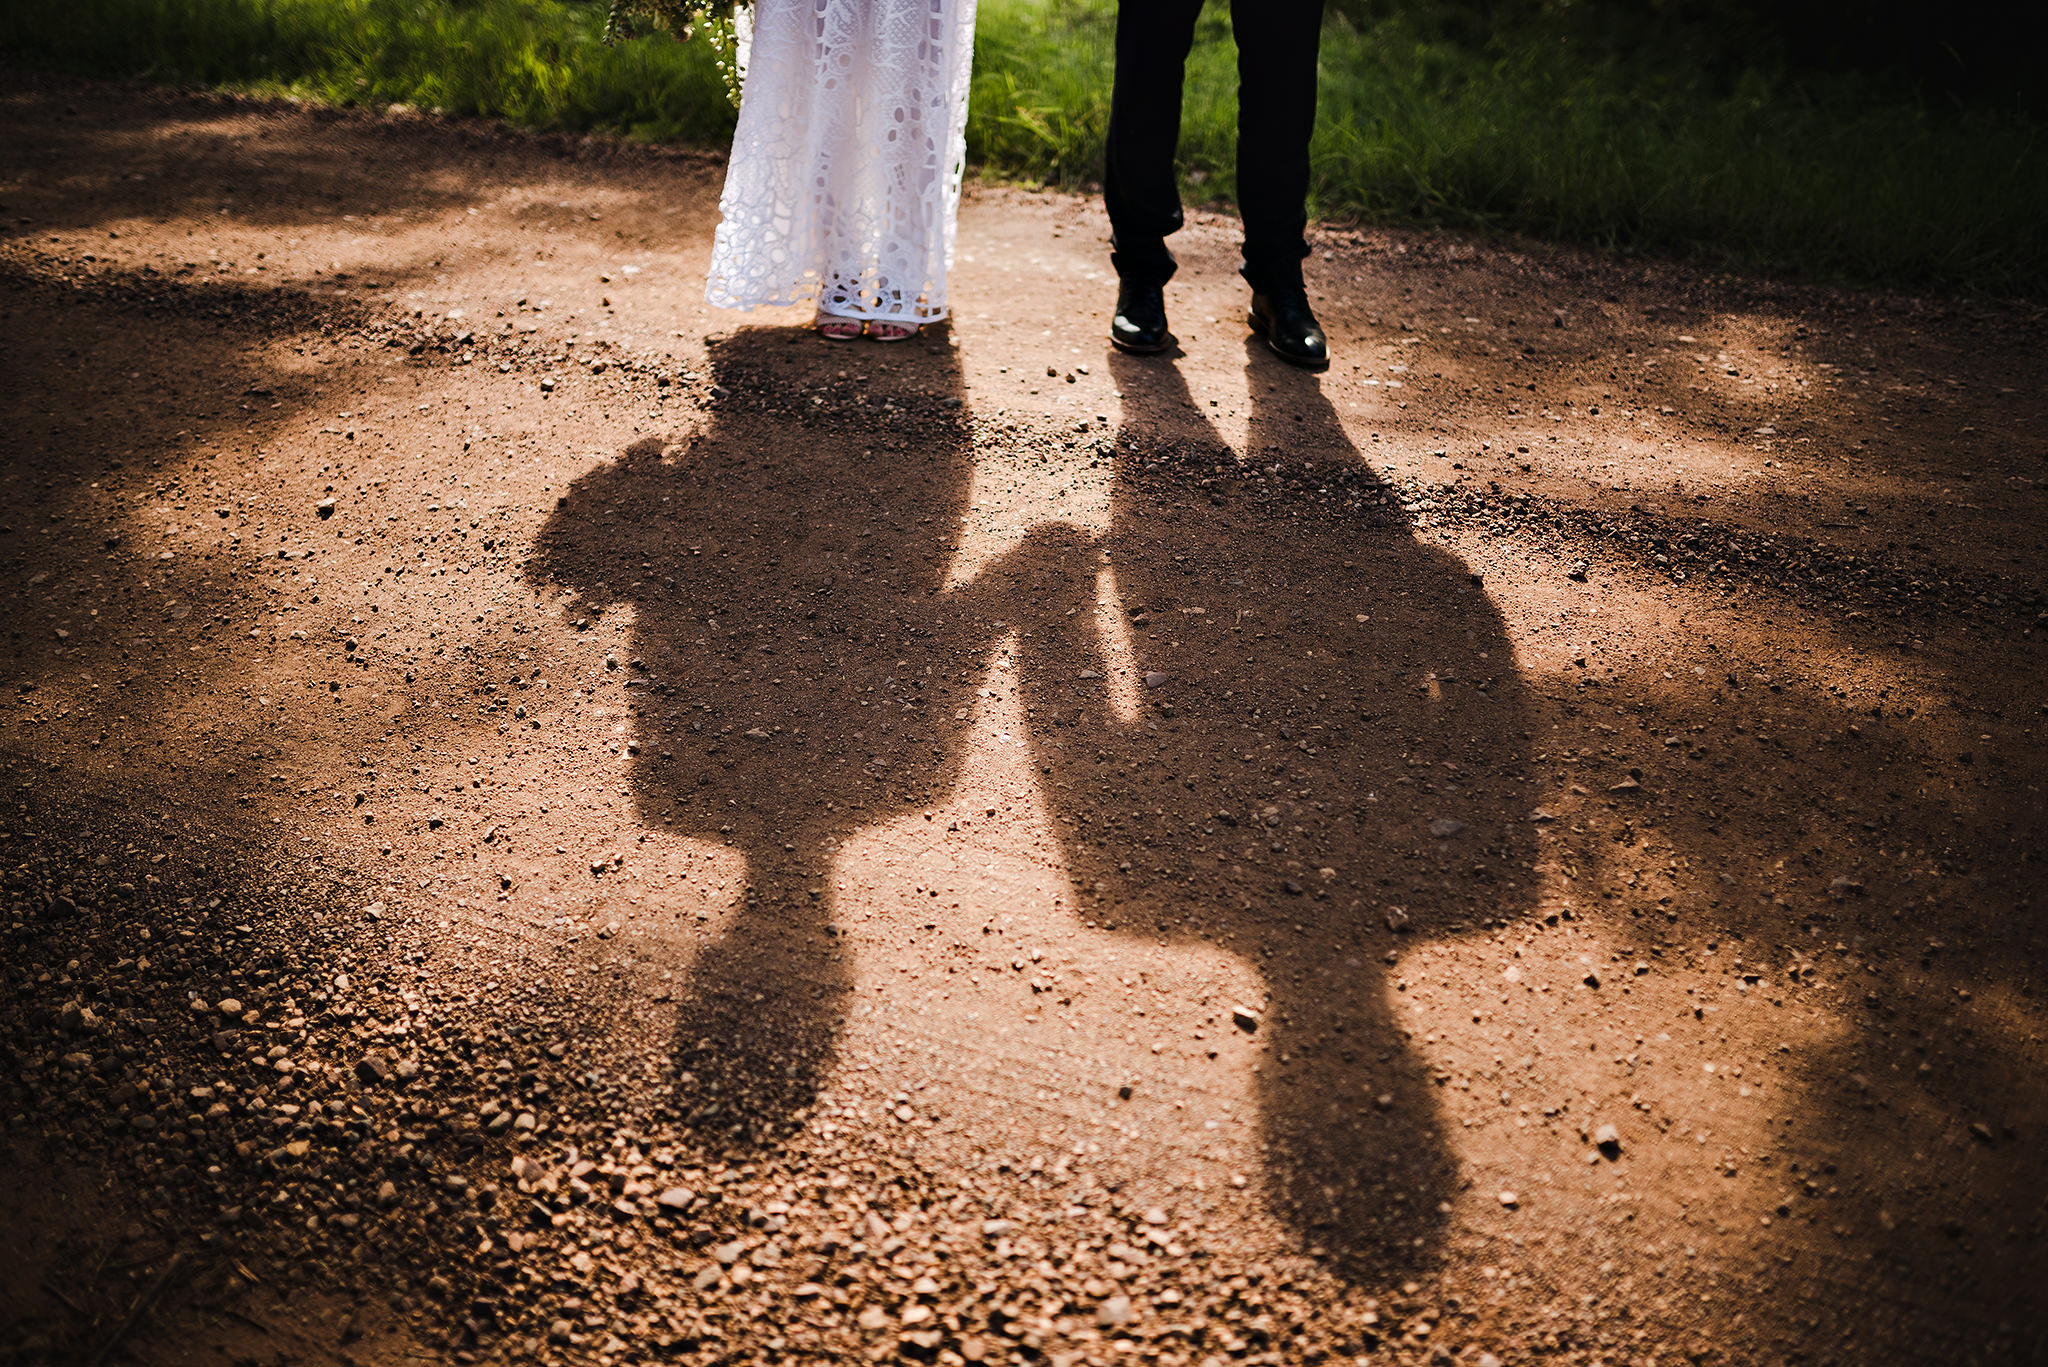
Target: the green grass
(537, 63)
(1838, 177)
(1555, 130)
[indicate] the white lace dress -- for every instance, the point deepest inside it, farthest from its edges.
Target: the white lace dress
(844, 183)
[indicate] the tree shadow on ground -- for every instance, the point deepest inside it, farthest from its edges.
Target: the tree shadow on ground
(1865, 890)
(266, 164)
(169, 1191)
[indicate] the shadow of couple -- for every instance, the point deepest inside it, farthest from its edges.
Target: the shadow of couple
(1333, 747)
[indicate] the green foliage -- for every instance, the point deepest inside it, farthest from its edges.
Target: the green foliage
(539, 63)
(1642, 136)
(1571, 121)
(705, 21)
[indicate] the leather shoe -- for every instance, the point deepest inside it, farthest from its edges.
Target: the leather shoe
(1290, 328)
(1140, 322)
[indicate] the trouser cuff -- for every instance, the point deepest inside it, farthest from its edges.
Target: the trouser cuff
(1272, 277)
(1150, 264)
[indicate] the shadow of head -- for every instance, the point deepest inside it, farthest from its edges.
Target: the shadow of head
(1310, 758)
(782, 566)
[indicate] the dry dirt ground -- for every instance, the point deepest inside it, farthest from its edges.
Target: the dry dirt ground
(548, 824)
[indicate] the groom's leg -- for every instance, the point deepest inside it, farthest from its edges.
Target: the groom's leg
(1138, 184)
(1277, 41)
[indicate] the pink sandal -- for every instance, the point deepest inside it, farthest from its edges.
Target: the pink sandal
(892, 332)
(836, 329)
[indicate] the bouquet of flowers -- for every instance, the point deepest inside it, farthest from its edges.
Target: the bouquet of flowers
(710, 21)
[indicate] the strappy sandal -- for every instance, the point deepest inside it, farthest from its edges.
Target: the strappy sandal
(836, 329)
(892, 332)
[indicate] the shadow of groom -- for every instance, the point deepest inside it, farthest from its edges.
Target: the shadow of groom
(1329, 746)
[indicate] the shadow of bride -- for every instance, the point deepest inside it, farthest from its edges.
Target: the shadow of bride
(1329, 748)
(795, 662)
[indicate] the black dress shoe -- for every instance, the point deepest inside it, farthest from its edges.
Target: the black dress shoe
(1290, 328)
(1140, 322)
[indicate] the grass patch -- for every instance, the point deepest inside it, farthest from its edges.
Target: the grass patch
(537, 63)
(1566, 131)
(1621, 146)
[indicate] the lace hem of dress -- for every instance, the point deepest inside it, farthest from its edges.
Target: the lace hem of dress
(837, 299)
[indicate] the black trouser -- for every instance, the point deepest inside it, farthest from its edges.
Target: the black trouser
(1276, 112)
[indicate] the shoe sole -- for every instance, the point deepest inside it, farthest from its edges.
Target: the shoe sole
(1166, 344)
(1297, 362)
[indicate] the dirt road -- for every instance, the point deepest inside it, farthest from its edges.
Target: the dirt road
(551, 824)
